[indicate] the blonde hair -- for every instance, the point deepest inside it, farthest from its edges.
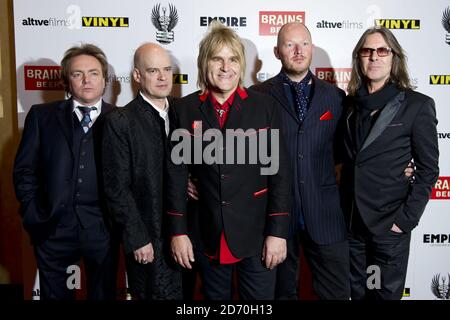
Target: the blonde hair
(217, 37)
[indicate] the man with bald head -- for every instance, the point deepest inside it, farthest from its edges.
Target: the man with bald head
(134, 153)
(311, 112)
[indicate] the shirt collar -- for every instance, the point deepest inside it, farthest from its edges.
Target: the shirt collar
(98, 105)
(306, 81)
(240, 91)
(163, 112)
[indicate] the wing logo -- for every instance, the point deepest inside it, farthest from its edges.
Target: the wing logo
(440, 286)
(164, 23)
(446, 24)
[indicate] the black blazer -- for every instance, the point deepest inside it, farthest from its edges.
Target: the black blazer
(374, 177)
(44, 165)
(134, 158)
(313, 150)
(234, 198)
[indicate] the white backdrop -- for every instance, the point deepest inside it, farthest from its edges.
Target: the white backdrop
(44, 29)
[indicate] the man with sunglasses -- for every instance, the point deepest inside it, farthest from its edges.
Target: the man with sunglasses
(387, 125)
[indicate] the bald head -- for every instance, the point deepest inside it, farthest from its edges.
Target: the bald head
(153, 72)
(148, 50)
(294, 50)
(292, 27)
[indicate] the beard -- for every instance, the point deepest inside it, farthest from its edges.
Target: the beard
(296, 71)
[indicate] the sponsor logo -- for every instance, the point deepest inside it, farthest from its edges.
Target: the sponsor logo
(119, 78)
(446, 24)
(263, 76)
(228, 21)
(337, 76)
(436, 239)
(398, 23)
(180, 78)
(440, 286)
(43, 78)
(439, 79)
(345, 24)
(270, 22)
(443, 135)
(441, 189)
(164, 23)
(406, 292)
(46, 22)
(105, 22)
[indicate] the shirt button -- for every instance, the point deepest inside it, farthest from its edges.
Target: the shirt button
(302, 181)
(80, 180)
(300, 131)
(81, 166)
(224, 203)
(300, 156)
(83, 153)
(78, 194)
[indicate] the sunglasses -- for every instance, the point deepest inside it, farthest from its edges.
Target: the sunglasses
(381, 51)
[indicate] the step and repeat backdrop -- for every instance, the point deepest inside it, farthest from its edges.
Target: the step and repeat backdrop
(45, 29)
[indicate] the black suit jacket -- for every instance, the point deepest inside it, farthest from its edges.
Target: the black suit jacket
(44, 165)
(313, 148)
(234, 198)
(374, 177)
(134, 158)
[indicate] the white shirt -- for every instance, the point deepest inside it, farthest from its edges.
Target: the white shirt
(94, 113)
(164, 114)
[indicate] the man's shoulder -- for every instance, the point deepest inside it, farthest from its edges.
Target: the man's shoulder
(49, 106)
(412, 95)
(186, 101)
(328, 87)
(265, 86)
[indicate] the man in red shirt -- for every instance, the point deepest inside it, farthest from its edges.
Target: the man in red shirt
(243, 215)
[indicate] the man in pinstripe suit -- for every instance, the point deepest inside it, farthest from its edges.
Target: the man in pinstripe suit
(312, 109)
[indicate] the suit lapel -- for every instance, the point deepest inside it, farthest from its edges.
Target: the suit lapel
(317, 106)
(234, 118)
(387, 114)
(278, 92)
(349, 142)
(106, 107)
(65, 119)
(208, 113)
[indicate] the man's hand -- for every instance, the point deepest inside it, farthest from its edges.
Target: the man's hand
(409, 171)
(182, 251)
(192, 189)
(145, 254)
(274, 251)
(396, 229)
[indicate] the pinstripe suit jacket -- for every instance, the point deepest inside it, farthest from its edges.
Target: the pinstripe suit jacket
(312, 148)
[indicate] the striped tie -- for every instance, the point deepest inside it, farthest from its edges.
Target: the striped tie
(86, 120)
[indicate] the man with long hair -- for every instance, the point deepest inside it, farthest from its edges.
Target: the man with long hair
(388, 125)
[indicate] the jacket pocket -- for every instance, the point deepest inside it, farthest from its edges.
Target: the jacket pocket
(260, 192)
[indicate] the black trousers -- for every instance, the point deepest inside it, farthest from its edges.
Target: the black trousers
(66, 246)
(329, 265)
(254, 280)
(388, 253)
